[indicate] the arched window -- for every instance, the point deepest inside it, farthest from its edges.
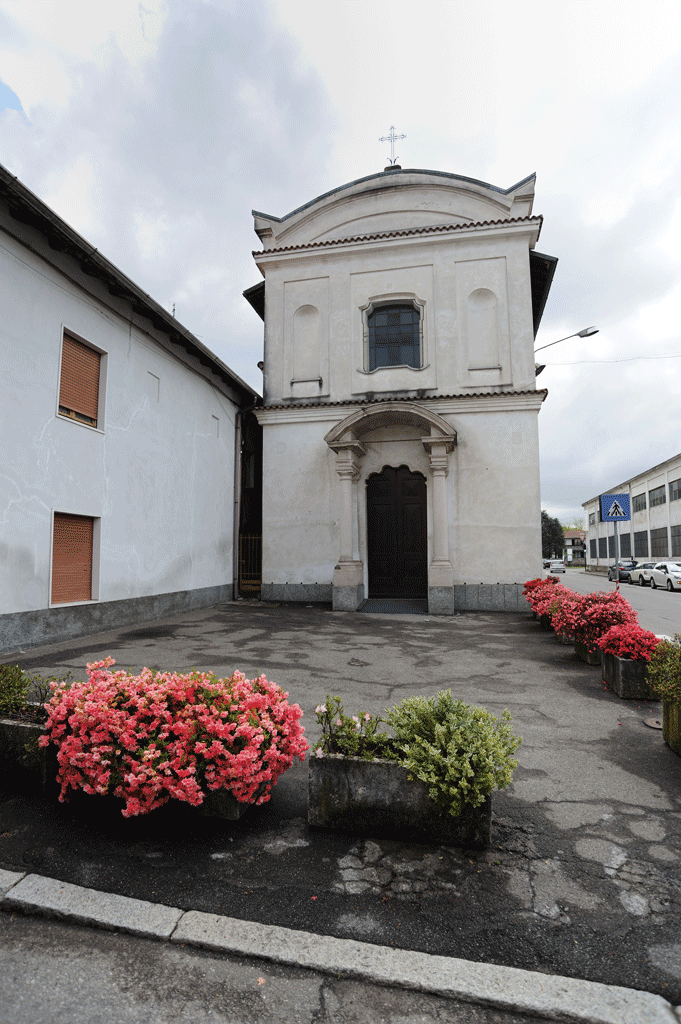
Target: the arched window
(394, 335)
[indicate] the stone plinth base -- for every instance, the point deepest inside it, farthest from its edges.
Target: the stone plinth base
(489, 597)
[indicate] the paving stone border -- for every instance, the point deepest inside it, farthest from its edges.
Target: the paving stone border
(552, 997)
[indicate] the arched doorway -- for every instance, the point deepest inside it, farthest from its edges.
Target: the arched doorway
(397, 540)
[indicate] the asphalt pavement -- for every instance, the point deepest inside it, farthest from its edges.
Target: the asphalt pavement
(582, 882)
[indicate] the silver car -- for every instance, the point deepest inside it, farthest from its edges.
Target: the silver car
(666, 574)
(641, 574)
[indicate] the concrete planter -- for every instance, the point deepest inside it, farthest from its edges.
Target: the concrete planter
(626, 677)
(33, 770)
(671, 724)
(545, 621)
(218, 803)
(590, 657)
(376, 798)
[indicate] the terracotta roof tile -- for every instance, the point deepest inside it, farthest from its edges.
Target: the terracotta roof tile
(428, 398)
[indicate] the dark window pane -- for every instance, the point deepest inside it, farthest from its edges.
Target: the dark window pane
(394, 336)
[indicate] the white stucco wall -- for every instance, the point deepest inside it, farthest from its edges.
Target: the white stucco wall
(158, 471)
(492, 492)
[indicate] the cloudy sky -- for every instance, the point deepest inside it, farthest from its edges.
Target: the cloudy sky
(154, 128)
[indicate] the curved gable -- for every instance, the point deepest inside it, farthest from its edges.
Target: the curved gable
(395, 200)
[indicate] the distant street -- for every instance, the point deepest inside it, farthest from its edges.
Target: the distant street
(658, 610)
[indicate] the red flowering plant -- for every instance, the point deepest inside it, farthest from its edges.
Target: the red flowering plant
(551, 599)
(158, 735)
(629, 640)
(537, 590)
(588, 617)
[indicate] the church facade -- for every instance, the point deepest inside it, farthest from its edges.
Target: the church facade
(400, 407)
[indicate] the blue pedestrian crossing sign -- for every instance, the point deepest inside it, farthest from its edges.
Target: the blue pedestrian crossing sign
(615, 508)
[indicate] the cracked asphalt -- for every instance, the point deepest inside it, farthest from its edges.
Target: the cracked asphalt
(583, 877)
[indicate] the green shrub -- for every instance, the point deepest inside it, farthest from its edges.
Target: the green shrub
(14, 687)
(461, 753)
(664, 669)
(17, 686)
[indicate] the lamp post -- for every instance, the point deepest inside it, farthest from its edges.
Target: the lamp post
(586, 332)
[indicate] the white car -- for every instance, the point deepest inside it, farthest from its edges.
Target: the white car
(666, 574)
(556, 565)
(641, 574)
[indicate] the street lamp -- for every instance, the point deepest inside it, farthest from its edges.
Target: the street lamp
(585, 333)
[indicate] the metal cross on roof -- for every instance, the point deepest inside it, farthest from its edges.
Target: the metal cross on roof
(391, 139)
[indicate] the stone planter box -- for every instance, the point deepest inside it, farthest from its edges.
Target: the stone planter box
(25, 771)
(590, 657)
(218, 803)
(671, 724)
(626, 677)
(376, 798)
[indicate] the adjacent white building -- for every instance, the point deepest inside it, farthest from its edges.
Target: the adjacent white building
(654, 531)
(400, 441)
(117, 447)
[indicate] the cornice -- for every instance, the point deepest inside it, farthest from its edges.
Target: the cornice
(401, 237)
(334, 412)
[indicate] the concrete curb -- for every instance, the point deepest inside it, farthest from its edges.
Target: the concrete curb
(551, 996)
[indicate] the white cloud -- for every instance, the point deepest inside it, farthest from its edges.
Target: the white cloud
(154, 128)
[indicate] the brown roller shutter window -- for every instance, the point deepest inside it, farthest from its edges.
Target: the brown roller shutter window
(71, 558)
(79, 383)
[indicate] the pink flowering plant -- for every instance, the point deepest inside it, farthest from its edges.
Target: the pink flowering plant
(588, 617)
(158, 735)
(629, 640)
(350, 735)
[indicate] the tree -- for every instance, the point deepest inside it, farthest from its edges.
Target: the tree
(551, 536)
(576, 523)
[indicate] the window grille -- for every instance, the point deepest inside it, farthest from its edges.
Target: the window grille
(639, 502)
(611, 546)
(625, 545)
(657, 496)
(675, 489)
(72, 558)
(658, 543)
(602, 547)
(79, 381)
(394, 336)
(676, 541)
(592, 547)
(641, 544)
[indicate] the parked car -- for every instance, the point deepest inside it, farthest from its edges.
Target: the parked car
(641, 574)
(666, 574)
(621, 570)
(546, 563)
(556, 565)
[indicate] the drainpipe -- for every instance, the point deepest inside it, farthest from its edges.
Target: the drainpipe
(237, 505)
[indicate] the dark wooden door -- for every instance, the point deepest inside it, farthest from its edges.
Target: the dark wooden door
(396, 534)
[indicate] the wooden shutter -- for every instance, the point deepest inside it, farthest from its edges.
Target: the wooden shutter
(79, 383)
(71, 558)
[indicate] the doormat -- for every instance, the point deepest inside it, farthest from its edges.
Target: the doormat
(395, 606)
